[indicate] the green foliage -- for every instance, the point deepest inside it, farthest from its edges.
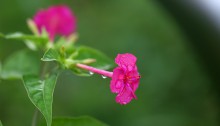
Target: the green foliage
(51, 55)
(20, 63)
(40, 93)
(39, 79)
(82, 54)
(67, 44)
(92, 57)
(21, 36)
(79, 121)
(26, 64)
(32, 41)
(101, 60)
(1, 123)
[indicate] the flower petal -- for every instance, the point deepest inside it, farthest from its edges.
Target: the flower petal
(134, 79)
(57, 20)
(127, 61)
(125, 79)
(39, 19)
(117, 83)
(125, 96)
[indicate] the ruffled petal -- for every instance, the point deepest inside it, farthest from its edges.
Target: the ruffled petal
(125, 96)
(134, 79)
(126, 61)
(117, 83)
(57, 20)
(39, 19)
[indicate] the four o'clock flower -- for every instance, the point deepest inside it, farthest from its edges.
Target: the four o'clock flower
(125, 77)
(57, 20)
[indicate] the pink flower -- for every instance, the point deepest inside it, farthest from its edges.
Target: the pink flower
(57, 20)
(125, 77)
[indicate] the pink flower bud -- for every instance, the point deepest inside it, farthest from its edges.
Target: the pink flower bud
(56, 20)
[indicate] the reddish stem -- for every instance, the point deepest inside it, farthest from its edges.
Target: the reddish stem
(95, 70)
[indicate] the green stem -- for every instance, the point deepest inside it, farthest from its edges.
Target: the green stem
(42, 75)
(43, 70)
(34, 119)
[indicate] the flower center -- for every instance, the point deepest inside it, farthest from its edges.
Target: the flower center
(131, 79)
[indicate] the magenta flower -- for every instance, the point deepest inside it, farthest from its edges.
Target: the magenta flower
(57, 20)
(125, 77)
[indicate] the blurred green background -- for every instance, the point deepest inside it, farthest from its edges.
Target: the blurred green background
(177, 59)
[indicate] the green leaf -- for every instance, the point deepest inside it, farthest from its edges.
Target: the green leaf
(67, 44)
(51, 55)
(1, 123)
(102, 61)
(20, 63)
(79, 121)
(21, 36)
(40, 92)
(32, 41)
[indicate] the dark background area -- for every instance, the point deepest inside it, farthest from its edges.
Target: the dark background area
(178, 50)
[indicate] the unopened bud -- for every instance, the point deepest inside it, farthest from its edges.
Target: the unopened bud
(32, 26)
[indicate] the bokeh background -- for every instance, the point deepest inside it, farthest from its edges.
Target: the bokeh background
(178, 48)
